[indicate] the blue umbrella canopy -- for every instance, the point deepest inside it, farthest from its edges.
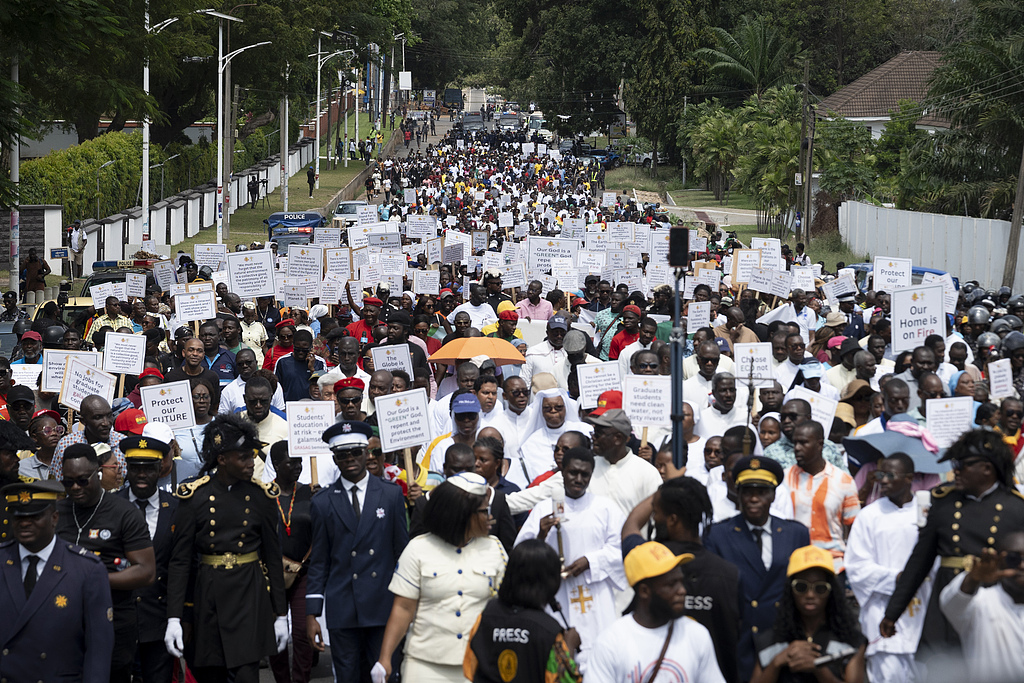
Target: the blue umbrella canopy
(864, 449)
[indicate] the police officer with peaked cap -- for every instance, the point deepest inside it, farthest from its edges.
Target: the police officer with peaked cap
(226, 555)
(759, 545)
(144, 456)
(54, 596)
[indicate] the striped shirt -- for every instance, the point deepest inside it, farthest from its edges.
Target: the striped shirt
(825, 503)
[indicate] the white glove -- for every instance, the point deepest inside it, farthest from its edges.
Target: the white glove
(281, 633)
(174, 639)
(378, 674)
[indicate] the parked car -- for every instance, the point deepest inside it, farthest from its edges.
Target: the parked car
(634, 157)
(348, 209)
(609, 158)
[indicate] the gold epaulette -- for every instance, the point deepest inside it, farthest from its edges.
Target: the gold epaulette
(186, 489)
(943, 490)
(269, 487)
(26, 480)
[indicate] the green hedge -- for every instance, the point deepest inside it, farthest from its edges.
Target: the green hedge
(68, 177)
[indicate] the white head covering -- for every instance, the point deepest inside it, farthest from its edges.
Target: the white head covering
(470, 482)
(535, 419)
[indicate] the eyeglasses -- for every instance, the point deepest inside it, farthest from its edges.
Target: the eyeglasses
(485, 510)
(939, 394)
(819, 587)
(882, 476)
(81, 482)
(349, 401)
(50, 431)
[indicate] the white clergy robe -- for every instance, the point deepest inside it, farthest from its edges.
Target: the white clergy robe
(880, 542)
(625, 483)
(591, 528)
(714, 422)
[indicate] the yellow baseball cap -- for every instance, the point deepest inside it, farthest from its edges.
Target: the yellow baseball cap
(810, 557)
(651, 559)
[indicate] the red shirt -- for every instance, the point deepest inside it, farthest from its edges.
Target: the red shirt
(361, 331)
(273, 355)
(621, 341)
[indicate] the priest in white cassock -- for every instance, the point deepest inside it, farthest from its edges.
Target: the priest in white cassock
(619, 475)
(881, 540)
(588, 538)
(725, 411)
(553, 413)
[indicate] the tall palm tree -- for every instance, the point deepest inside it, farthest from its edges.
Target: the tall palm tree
(754, 58)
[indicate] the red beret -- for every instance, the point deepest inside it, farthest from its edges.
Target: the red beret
(372, 301)
(349, 383)
(151, 372)
(287, 322)
(632, 309)
(508, 315)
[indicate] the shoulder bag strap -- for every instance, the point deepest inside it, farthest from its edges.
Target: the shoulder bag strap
(664, 649)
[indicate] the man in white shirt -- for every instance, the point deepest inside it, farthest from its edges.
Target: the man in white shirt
(618, 474)
(588, 537)
(232, 398)
(548, 356)
(479, 311)
(78, 242)
(880, 543)
(655, 637)
(709, 362)
(986, 607)
(724, 411)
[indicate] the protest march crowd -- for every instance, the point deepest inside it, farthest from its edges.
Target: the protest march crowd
(458, 463)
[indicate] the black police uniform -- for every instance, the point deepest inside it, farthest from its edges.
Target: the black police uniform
(226, 557)
(110, 529)
(958, 525)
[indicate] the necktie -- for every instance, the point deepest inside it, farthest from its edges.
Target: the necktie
(143, 503)
(355, 500)
(758, 531)
(31, 576)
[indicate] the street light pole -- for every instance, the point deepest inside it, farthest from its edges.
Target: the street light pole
(321, 60)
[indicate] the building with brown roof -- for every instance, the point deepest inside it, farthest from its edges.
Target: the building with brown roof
(871, 97)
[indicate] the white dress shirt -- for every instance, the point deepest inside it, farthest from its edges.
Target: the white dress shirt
(152, 510)
(43, 555)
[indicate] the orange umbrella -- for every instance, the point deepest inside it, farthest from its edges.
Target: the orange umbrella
(498, 350)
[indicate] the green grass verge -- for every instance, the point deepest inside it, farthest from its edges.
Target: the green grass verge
(706, 199)
(831, 249)
(627, 178)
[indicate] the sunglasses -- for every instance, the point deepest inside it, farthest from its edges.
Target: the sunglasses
(1014, 413)
(349, 401)
(81, 482)
(50, 431)
(647, 366)
(882, 476)
(819, 587)
(964, 464)
(518, 392)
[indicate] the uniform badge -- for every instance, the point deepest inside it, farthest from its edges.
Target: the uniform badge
(61, 601)
(508, 665)
(110, 614)
(94, 533)
(105, 534)
(380, 513)
(346, 428)
(24, 497)
(755, 464)
(217, 440)
(143, 444)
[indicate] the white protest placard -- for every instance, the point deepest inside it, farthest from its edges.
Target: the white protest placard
(760, 280)
(596, 240)
(99, 294)
(197, 306)
(54, 362)
(426, 282)
(711, 278)
(803, 278)
(479, 240)
(823, 409)
(946, 280)
(339, 263)
(212, 255)
(771, 252)
(366, 214)
(648, 400)
(420, 227)
(169, 403)
(307, 422)
(26, 375)
(82, 380)
(514, 275)
(505, 219)
(521, 230)
(1000, 378)
(841, 286)
(608, 199)
(454, 253)
(917, 312)
(166, 275)
(392, 357)
(595, 379)
(434, 250)
(327, 237)
(135, 284)
(743, 262)
(385, 241)
(754, 360)
(294, 295)
(120, 290)
(330, 292)
(891, 273)
(403, 420)
(540, 251)
(251, 273)
(948, 418)
(699, 315)
(620, 231)
(492, 260)
(124, 353)
(782, 284)
(305, 260)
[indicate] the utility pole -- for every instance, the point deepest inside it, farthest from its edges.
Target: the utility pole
(808, 198)
(15, 266)
(803, 138)
(229, 162)
(284, 141)
(1015, 223)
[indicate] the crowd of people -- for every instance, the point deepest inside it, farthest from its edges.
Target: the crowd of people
(537, 535)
